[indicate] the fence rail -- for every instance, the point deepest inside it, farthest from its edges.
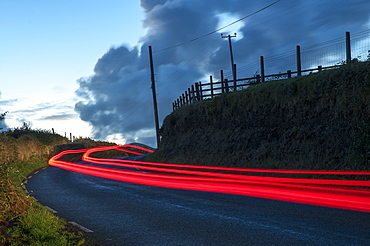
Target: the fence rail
(201, 91)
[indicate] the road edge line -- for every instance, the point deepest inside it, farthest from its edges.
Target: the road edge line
(80, 226)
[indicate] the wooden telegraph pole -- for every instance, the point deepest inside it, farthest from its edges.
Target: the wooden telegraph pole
(231, 57)
(154, 96)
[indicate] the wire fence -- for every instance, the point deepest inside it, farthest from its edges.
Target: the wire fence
(315, 58)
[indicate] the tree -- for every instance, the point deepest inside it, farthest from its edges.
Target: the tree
(2, 117)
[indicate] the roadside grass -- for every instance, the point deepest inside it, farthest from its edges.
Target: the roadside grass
(23, 221)
(40, 227)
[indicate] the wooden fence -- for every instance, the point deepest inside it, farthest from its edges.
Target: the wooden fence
(201, 91)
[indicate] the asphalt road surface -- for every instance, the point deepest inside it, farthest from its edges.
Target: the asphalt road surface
(120, 213)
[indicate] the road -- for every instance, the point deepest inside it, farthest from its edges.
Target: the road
(121, 213)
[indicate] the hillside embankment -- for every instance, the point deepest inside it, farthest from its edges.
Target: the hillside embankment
(318, 121)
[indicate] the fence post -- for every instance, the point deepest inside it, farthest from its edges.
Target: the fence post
(197, 90)
(178, 103)
(186, 98)
(348, 48)
(211, 82)
(234, 68)
(173, 106)
(194, 99)
(299, 64)
(222, 81)
(319, 68)
(262, 67)
(258, 78)
(200, 91)
(226, 85)
(190, 96)
(289, 74)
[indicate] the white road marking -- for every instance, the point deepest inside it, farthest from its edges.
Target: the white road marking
(51, 210)
(80, 226)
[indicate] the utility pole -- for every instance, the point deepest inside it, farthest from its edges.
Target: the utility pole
(348, 48)
(154, 96)
(231, 56)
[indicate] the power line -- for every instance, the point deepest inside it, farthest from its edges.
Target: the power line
(197, 54)
(273, 58)
(232, 23)
(145, 100)
(309, 51)
(281, 13)
(184, 64)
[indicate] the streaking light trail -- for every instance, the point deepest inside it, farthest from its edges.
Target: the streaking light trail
(334, 192)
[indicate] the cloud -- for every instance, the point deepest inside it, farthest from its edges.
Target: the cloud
(42, 107)
(9, 102)
(58, 117)
(116, 100)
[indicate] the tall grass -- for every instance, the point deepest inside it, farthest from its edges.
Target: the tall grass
(22, 220)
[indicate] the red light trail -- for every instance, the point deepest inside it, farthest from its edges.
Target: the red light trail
(335, 193)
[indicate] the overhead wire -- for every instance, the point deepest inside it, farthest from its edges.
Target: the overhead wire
(178, 69)
(215, 31)
(189, 61)
(272, 58)
(281, 14)
(145, 102)
(196, 55)
(221, 28)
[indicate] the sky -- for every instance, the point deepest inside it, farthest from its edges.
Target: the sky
(82, 67)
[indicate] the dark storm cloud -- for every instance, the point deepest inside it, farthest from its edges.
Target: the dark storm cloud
(117, 97)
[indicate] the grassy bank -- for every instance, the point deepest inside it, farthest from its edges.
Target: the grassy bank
(318, 121)
(22, 220)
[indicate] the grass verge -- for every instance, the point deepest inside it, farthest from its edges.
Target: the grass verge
(24, 221)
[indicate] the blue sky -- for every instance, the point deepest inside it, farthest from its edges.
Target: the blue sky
(82, 66)
(45, 46)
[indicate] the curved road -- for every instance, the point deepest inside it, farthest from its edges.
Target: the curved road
(120, 213)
